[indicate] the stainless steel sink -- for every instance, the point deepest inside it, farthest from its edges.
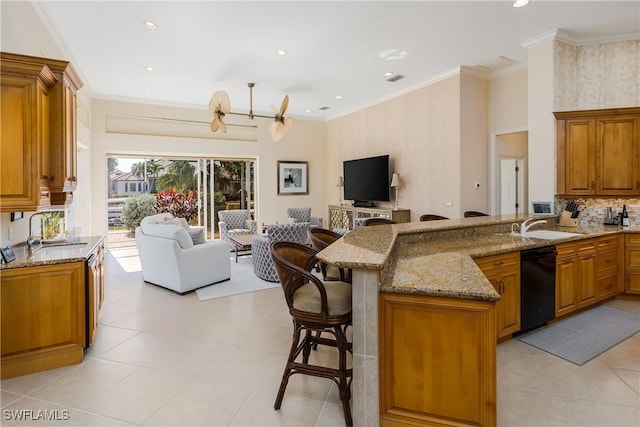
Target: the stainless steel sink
(550, 234)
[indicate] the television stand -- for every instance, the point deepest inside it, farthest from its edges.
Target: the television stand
(342, 216)
(363, 204)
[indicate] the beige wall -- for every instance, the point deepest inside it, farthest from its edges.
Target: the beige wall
(305, 142)
(474, 144)
(421, 133)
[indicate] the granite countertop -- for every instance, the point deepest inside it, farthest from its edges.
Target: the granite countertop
(54, 253)
(436, 257)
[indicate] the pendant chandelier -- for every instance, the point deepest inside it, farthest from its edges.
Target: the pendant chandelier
(220, 106)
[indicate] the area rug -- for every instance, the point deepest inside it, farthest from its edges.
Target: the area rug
(243, 280)
(584, 336)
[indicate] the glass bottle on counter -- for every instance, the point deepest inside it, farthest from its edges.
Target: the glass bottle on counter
(625, 216)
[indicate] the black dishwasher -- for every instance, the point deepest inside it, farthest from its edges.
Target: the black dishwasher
(537, 287)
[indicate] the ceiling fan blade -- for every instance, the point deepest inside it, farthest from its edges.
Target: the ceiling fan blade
(273, 131)
(220, 100)
(279, 129)
(223, 127)
(215, 124)
(285, 104)
(275, 110)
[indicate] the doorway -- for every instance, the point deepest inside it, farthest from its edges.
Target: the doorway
(510, 170)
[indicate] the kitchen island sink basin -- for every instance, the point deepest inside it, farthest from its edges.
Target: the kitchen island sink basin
(550, 234)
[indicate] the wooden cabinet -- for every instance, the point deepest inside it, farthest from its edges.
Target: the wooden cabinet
(24, 108)
(503, 271)
(632, 264)
(437, 361)
(95, 288)
(43, 318)
(575, 276)
(598, 152)
(50, 135)
(342, 216)
(610, 277)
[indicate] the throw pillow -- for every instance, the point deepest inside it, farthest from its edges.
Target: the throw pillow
(197, 235)
(180, 222)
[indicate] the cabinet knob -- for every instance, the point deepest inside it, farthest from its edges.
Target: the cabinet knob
(50, 178)
(498, 263)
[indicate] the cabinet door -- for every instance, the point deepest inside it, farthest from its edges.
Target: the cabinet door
(24, 111)
(632, 264)
(618, 156)
(586, 284)
(579, 157)
(566, 278)
(503, 272)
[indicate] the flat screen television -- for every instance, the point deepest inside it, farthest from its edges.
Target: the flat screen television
(366, 180)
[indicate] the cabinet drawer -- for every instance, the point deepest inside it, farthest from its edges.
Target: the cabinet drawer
(606, 242)
(607, 260)
(586, 247)
(607, 286)
(565, 250)
(498, 262)
(633, 240)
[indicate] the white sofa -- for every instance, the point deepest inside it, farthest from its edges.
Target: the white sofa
(170, 259)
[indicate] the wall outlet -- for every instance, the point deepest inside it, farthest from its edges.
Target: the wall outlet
(10, 233)
(448, 203)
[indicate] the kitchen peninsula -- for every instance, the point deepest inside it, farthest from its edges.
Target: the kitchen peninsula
(50, 299)
(424, 316)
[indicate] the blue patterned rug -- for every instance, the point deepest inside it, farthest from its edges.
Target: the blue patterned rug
(584, 336)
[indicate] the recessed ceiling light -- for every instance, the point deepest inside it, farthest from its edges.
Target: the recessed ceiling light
(338, 96)
(147, 92)
(307, 111)
(520, 3)
(150, 25)
(388, 74)
(281, 52)
(150, 69)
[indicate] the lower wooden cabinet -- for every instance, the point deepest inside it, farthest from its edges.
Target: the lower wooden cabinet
(632, 264)
(49, 314)
(575, 276)
(610, 266)
(95, 288)
(437, 361)
(503, 271)
(43, 318)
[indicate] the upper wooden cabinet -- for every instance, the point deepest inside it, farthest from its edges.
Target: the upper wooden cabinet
(599, 152)
(54, 145)
(24, 124)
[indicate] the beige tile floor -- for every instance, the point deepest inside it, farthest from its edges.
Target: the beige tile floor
(160, 359)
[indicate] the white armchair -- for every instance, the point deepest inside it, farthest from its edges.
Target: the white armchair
(170, 259)
(234, 222)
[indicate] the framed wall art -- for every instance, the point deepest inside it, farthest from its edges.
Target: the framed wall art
(293, 177)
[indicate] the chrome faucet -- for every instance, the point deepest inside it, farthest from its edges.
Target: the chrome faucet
(525, 226)
(31, 240)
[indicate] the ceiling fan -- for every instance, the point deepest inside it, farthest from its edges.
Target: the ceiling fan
(220, 106)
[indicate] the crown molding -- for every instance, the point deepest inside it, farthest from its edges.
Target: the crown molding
(565, 37)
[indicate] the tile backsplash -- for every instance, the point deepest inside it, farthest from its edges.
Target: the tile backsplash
(594, 210)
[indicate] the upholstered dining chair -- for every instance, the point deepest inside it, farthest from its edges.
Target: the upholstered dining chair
(320, 239)
(234, 222)
(431, 217)
(262, 263)
(377, 221)
(469, 214)
(318, 306)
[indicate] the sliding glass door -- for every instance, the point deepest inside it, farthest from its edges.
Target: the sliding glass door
(195, 189)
